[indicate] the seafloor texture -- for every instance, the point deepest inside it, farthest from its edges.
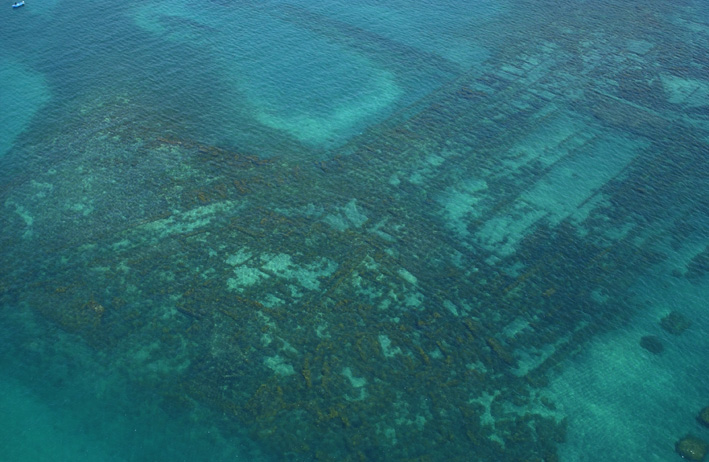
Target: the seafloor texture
(425, 282)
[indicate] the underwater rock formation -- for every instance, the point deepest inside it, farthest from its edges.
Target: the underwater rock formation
(691, 448)
(652, 344)
(675, 323)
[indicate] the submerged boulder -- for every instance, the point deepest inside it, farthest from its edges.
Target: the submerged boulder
(675, 323)
(652, 344)
(691, 448)
(703, 417)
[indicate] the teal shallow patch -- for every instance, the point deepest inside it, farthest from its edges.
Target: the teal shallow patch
(19, 102)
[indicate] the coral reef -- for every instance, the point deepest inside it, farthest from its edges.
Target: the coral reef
(652, 344)
(703, 417)
(406, 298)
(691, 448)
(675, 323)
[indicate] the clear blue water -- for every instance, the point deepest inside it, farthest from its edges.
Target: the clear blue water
(326, 230)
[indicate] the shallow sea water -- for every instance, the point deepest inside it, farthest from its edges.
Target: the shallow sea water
(327, 230)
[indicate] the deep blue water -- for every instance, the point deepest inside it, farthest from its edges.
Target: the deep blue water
(328, 230)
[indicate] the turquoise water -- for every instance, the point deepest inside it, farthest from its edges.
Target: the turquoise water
(324, 230)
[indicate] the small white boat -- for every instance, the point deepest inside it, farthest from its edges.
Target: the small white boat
(18, 4)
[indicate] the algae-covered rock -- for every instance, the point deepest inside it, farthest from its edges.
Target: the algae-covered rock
(703, 417)
(652, 344)
(675, 323)
(691, 448)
